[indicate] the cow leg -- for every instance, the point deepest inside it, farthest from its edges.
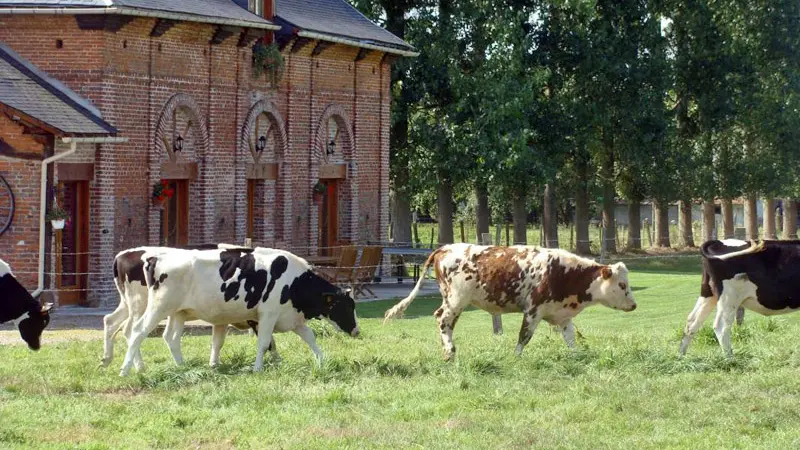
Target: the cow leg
(172, 336)
(726, 314)
(111, 325)
(739, 316)
(141, 329)
(266, 325)
(218, 333)
(695, 320)
(529, 322)
(307, 334)
(134, 314)
(447, 322)
(568, 331)
(497, 324)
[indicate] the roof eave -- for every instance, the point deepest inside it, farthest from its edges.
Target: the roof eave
(128, 11)
(356, 43)
(54, 130)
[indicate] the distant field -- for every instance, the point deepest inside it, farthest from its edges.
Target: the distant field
(566, 235)
(623, 388)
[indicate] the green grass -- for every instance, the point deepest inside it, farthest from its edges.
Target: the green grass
(623, 388)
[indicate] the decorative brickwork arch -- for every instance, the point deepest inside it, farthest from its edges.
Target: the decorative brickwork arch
(278, 199)
(348, 194)
(202, 211)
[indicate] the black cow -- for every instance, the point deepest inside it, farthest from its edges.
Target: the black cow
(760, 276)
(18, 306)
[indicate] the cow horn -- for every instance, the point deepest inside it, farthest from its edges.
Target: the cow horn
(46, 307)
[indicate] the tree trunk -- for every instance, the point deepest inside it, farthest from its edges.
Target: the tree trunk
(550, 220)
(769, 219)
(445, 212)
(709, 220)
(789, 219)
(482, 195)
(582, 246)
(685, 223)
(609, 243)
(401, 219)
(634, 224)
(751, 217)
(661, 222)
(727, 218)
(520, 220)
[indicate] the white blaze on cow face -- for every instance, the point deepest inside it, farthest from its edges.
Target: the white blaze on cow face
(612, 288)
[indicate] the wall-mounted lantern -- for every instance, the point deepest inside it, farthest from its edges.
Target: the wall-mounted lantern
(261, 144)
(331, 148)
(178, 144)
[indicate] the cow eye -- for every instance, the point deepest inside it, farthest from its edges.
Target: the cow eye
(623, 286)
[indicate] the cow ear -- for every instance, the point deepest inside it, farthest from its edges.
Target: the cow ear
(607, 273)
(46, 307)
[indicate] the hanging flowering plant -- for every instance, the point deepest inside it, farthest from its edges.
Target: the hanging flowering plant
(162, 192)
(320, 188)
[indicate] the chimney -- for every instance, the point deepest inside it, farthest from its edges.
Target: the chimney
(269, 9)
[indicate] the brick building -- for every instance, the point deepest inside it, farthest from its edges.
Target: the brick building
(125, 93)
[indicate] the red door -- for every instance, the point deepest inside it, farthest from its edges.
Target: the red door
(175, 216)
(74, 242)
(329, 218)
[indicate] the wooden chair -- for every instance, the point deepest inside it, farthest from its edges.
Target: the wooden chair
(342, 272)
(365, 272)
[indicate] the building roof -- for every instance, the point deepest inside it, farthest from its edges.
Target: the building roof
(31, 92)
(337, 19)
(208, 11)
(334, 20)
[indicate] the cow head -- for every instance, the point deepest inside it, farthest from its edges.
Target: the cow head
(341, 311)
(32, 323)
(612, 288)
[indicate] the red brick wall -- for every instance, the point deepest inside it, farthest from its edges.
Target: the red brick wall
(19, 245)
(131, 76)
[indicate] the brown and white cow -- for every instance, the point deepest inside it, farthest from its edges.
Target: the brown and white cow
(544, 284)
(760, 276)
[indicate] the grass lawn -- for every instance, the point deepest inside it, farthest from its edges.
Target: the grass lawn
(623, 388)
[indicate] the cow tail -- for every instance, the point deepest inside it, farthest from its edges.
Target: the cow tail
(398, 309)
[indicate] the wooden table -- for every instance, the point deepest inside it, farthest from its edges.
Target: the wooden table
(329, 261)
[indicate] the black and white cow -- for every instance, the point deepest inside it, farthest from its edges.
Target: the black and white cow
(19, 307)
(277, 289)
(130, 282)
(760, 276)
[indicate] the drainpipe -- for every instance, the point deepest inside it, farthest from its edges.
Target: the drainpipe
(42, 207)
(43, 195)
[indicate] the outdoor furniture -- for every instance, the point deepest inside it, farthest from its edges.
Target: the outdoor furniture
(365, 272)
(408, 251)
(328, 261)
(343, 268)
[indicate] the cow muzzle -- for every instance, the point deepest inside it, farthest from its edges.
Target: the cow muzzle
(355, 332)
(630, 308)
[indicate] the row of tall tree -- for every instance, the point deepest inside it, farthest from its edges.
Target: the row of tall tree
(530, 104)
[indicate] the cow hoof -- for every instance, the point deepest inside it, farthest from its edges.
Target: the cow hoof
(518, 351)
(105, 362)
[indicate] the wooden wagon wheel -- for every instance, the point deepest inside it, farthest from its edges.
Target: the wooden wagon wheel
(6, 205)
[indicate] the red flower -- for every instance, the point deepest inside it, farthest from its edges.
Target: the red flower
(161, 198)
(169, 192)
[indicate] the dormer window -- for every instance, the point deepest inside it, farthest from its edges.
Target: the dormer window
(256, 7)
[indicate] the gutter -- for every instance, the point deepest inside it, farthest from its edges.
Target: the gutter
(126, 11)
(355, 43)
(43, 193)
